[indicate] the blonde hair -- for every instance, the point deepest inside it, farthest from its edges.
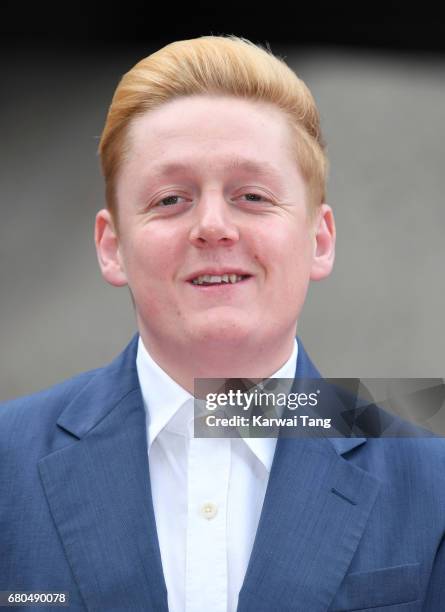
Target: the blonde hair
(225, 65)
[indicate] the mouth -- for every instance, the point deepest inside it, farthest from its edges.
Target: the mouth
(215, 280)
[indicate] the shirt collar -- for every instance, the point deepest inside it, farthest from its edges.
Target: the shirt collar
(163, 398)
(264, 448)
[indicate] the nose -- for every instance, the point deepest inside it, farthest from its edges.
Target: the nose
(213, 223)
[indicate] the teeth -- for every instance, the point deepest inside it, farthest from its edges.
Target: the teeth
(225, 278)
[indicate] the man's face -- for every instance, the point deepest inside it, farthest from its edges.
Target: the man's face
(211, 189)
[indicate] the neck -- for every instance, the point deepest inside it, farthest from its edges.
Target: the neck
(252, 359)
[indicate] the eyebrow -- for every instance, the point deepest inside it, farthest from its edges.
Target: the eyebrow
(263, 168)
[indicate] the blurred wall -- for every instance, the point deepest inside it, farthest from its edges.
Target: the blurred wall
(379, 314)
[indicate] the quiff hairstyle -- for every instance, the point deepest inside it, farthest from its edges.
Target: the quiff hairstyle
(215, 65)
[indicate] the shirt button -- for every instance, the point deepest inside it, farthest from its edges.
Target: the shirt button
(209, 510)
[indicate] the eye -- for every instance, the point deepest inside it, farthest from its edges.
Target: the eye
(170, 200)
(254, 197)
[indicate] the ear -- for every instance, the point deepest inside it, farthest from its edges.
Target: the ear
(324, 243)
(107, 248)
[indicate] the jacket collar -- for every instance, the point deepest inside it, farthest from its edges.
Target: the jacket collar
(307, 370)
(102, 394)
(122, 371)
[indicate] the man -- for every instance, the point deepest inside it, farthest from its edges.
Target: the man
(216, 220)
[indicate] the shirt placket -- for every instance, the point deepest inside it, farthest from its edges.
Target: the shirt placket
(206, 556)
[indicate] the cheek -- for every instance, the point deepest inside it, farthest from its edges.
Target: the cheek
(291, 268)
(151, 256)
(288, 254)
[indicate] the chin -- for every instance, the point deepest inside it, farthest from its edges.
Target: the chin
(224, 332)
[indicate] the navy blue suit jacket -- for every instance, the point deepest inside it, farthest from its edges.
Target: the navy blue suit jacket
(347, 524)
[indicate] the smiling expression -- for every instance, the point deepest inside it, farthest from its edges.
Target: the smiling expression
(215, 240)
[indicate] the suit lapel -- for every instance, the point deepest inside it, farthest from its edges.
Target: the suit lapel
(98, 490)
(315, 511)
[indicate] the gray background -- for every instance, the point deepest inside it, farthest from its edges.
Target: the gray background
(379, 314)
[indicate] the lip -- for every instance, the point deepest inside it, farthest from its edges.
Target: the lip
(218, 272)
(223, 288)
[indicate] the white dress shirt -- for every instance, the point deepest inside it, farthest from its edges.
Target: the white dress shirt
(207, 494)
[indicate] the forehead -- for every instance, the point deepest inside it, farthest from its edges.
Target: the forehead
(240, 134)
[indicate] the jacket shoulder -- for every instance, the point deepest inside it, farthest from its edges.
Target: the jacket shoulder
(33, 412)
